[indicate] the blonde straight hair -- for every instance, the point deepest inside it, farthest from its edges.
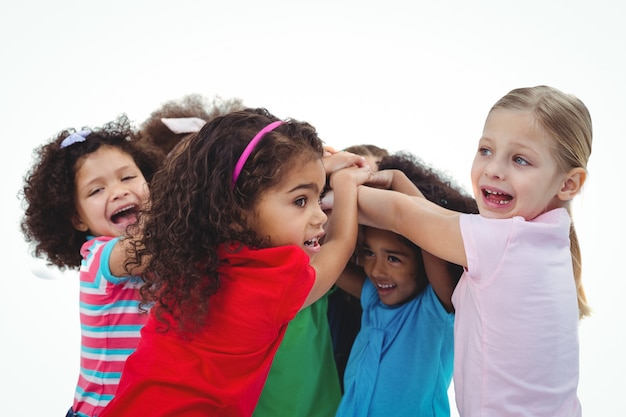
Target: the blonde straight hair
(567, 120)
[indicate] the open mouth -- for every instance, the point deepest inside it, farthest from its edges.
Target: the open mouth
(125, 215)
(497, 197)
(312, 243)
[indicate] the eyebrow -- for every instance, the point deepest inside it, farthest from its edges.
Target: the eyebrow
(397, 253)
(307, 186)
(120, 170)
(390, 252)
(515, 142)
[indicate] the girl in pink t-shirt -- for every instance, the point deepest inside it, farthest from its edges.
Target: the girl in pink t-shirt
(519, 300)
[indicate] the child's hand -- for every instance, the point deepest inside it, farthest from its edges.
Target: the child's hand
(334, 161)
(329, 150)
(382, 179)
(355, 175)
(358, 175)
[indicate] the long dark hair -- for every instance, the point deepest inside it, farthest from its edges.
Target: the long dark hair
(195, 208)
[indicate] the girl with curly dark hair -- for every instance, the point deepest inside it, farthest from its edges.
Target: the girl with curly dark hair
(84, 189)
(405, 369)
(233, 250)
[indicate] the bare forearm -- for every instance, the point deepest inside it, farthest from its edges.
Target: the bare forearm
(343, 222)
(351, 279)
(426, 224)
(341, 232)
(440, 278)
(376, 207)
(403, 184)
(121, 260)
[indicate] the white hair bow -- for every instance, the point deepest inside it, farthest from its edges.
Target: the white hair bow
(183, 124)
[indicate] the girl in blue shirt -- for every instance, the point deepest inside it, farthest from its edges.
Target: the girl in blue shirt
(401, 361)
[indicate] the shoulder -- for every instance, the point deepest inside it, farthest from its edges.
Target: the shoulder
(97, 244)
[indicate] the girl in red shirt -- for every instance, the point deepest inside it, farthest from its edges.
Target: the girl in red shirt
(235, 244)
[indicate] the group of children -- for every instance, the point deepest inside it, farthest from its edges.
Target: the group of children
(214, 253)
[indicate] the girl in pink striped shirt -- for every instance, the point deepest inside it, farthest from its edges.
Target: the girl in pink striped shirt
(85, 188)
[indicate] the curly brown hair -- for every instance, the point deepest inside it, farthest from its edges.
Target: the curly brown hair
(155, 133)
(49, 191)
(194, 208)
(437, 187)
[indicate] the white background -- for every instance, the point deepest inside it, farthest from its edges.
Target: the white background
(405, 75)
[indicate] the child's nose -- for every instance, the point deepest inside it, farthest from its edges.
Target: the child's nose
(119, 191)
(378, 269)
(495, 168)
(320, 217)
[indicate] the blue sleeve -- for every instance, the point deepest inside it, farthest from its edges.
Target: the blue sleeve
(368, 294)
(433, 305)
(104, 268)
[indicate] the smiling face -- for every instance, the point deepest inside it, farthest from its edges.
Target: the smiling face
(391, 264)
(290, 213)
(514, 172)
(110, 191)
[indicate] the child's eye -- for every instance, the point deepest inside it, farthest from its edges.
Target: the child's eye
(484, 151)
(367, 253)
(93, 192)
(521, 161)
(300, 202)
(393, 259)
(129, 177)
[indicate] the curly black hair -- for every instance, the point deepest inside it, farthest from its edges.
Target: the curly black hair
(49, 191)
(194, 207)
(154, 132)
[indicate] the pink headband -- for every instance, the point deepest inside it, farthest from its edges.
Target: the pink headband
(246, 152)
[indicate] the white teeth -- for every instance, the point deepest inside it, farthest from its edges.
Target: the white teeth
(311, 242)
(501, 202)
(493, 192)
(123, 209)
(385, 286)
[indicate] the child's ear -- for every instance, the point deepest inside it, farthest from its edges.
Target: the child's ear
(78, 223)
(572, 184)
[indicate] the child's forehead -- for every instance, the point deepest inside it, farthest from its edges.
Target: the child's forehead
(386, 237)
(374, 234)
(303, 171)
(518, 127)
(105, 157)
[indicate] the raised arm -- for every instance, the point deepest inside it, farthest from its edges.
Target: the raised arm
(121, 253)
(351, 279)
(122, 260)
(431, 227)
(437, 271)
(341, 232)
(441, 278)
